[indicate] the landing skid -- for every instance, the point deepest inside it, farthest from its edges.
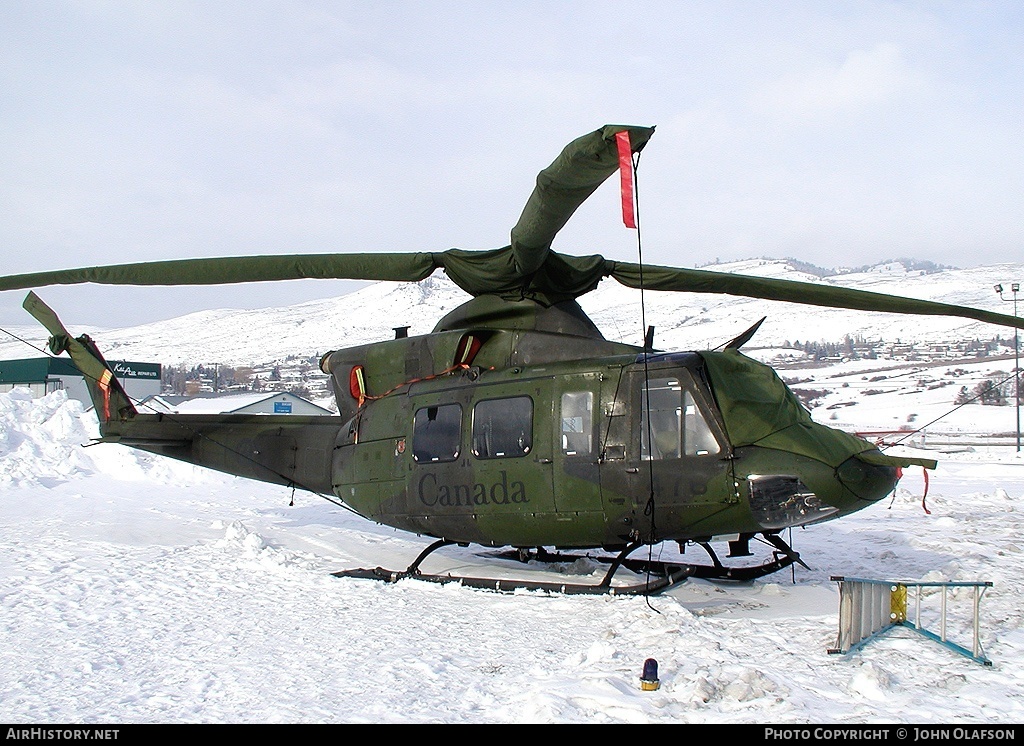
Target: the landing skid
(706, 572)
(782, 558)
(669, 577)
(661, 576)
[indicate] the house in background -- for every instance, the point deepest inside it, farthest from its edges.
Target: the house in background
(266, 402)
(45, 375)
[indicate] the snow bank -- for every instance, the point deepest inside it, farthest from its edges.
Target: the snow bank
(49, 440)
(40, 439)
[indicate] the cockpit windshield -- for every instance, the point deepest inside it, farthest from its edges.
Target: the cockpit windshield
(677, 427)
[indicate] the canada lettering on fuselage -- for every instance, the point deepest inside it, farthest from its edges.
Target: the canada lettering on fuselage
(502, 492)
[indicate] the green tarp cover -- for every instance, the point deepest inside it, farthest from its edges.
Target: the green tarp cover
(759, 409)
(808, 293)
(581, 167)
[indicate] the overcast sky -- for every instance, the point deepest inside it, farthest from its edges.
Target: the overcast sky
(838, 133)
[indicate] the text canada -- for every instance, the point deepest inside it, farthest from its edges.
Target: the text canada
(501, 492)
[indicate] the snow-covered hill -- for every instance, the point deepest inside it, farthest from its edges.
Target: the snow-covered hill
(243, 337)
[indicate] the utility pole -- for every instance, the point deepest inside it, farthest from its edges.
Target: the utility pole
(1014, 288)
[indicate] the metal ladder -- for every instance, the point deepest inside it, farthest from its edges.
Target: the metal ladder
(867, 608)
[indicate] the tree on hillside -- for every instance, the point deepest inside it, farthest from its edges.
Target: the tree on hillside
(991, 392)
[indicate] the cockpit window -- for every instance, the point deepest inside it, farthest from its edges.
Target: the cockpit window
(503, 428)
(677, 426)
(436, 432)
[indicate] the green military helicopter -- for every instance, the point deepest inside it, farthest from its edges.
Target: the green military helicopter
(516, 424)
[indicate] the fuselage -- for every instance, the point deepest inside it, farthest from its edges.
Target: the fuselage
(517, 424)
(532, 437)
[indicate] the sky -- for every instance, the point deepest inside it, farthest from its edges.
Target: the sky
(840, 134)
(135, 589)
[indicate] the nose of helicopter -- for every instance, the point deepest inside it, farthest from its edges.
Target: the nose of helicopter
(866, 481)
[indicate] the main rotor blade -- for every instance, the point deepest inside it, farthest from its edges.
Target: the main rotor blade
(398, 267)
(581, 167)
(486, 272)
(476, 272)
(792, 291)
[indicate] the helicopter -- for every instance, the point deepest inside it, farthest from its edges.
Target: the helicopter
(515, 424)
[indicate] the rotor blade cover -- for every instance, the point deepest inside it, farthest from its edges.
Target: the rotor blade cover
(562, 187)
(830, 296)
(397, 267)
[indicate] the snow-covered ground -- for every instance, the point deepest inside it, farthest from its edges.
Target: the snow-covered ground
(138, 590)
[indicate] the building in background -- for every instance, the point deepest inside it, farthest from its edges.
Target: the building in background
(44, 375)
(267, 402)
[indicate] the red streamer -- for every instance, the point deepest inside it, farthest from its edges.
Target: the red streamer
(626, 177)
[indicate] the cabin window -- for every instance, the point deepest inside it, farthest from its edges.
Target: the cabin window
(677, 426)
(577, 423)
(436, 433)
(503, 428)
